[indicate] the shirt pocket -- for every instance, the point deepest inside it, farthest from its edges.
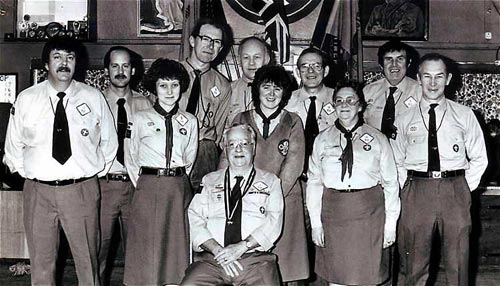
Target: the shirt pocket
(454, 147)
(256, 202)
(88, 128)
(216, 203)
(417, 148)
(35, 131)
(331, 156)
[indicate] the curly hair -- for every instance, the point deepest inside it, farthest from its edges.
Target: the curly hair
(358, 89)
(165, 69)
(277, 75)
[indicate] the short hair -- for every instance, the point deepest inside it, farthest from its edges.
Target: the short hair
(436, 57)
(166, 69)
(325, 59)
(358, 89)
(67, 44)
(269, 52)
(227, 37)
(277, 75)
(394, 46)
(243, 126)
(107, 56)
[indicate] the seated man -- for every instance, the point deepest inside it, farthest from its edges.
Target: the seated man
(236, 219)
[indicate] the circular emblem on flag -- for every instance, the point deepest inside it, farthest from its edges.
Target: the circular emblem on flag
(367, 147)
(283, 147)
(456, 148)
(183, 131)
(295, 10)
(262, 210)
(84, 132)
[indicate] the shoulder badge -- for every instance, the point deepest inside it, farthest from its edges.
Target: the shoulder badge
(181, 119)
(83, 109)
(328, 108)
(283, 147)
(410, 101)
(260, 186)
(215, 91)
(366, 138)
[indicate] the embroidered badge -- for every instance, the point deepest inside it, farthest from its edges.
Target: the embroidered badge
(456, 148)
(366, 138)
(262, 210)
(260, 185)
(150, 123)
(413, 128)
(283, 147)
(84, 132)
(12, 110)
(215, 91)
(367, 147)
(328, 108)
(181, 119)
(83, 109)
(410, 101)
(183, 131)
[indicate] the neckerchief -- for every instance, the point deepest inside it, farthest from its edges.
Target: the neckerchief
(266, 120)
(347, 155)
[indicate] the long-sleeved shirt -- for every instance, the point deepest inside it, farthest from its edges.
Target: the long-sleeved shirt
(28, 146)
(241, 98)
(460, 141)
(134, 102)
(148, 139)
(213, 104)
(325, 111)
(373, 164)
(261, 215)
(407, 95)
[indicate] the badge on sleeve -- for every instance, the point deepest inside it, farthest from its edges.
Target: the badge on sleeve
(283, 147)
(83, 109)
(410, 101)
(215, 91)
(328, 108)
(260, 186)
(367, 139)
(181, 119)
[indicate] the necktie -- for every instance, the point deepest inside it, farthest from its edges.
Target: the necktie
(389, 114)
(195, 93)
(347, 157)
(169, 137)
(121, 126)
(232, 232)
(61, 146)
(266, 120)
(311, 130)
(432, 143)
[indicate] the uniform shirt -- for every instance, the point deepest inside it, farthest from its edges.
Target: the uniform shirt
(134, 103)
(259, 122)
(373, 164)
(28, 146)
(148, 139)
(325, 111)
(460, 141)
(261, 215)
(213, 105)
(241, 98)
(406, 96)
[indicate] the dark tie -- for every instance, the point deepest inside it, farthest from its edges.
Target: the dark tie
(266, 120)
(121, 126)
(169, 134)
(195, 93)
(432, 142)
(347, 157)
(61, 146)
(311, 130)
(232, 233)
(388, 116)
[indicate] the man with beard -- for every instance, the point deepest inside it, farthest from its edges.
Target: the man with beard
(116, 188)
(60, 138)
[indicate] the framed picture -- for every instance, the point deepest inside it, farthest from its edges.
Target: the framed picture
(160, 18)
(402, 19)
(8, 87)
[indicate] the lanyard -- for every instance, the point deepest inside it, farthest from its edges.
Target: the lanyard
(227, 191)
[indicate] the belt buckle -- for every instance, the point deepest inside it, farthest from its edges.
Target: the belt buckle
(171, 172)
(161, 172)
(436, 174)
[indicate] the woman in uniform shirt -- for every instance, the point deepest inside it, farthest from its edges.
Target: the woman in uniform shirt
(352, 196)
(162, 149)
(280, 150)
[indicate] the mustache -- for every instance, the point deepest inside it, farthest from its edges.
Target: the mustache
(120, 76)
(64, 69)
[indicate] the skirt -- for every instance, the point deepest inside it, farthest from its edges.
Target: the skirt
(158, 241)
(354, 231)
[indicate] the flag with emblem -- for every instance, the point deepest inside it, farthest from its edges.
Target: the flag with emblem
(274, 18)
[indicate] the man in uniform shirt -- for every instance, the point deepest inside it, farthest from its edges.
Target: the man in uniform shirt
(394, 94)
(236, 219)
(441, 156)
(253, 53)
(208, 94)
(60, 136)
(116, 188)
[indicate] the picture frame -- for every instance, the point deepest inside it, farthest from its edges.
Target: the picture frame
(388, 19)
(160, 19)
(8, 87)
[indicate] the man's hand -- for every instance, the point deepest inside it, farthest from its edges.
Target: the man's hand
(228, 257)
(389, 238)
(318, 236)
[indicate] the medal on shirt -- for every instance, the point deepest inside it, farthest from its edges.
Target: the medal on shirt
(227, 192)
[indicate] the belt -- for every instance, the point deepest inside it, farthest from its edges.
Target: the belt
(347, 190)
(62, 182)
(436, 174)
(116, 177)
(172, 172)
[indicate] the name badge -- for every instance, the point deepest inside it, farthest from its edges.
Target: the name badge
(215, 91)
(83, 109)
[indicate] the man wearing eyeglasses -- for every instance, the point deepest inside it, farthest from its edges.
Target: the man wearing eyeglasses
(208, 95)
(236, 219)
(394, 94)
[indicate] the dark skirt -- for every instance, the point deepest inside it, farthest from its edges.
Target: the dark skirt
(158, 240)
(291, 248)
(354, 233)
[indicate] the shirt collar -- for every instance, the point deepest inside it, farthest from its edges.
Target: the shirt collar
(113, 97)
(52, 92)
(401, 85)
(426, 105)
(193, 68)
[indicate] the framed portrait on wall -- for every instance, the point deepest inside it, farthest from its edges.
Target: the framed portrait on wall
(160, 18)
(401, 19)
(8, 87)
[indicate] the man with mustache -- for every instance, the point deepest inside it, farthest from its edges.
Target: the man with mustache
(116, 187)
(60, 138)
(208, 94)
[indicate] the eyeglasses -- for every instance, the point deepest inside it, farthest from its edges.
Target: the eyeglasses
(317, 67)
(241, 144)
(349, 101)
(206, 40)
